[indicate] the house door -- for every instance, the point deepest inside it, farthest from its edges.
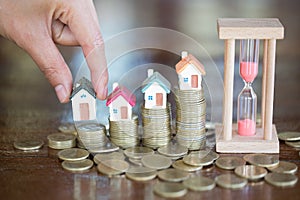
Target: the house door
(84, 111)
(159, 99)
(194, 81)
(124, 112)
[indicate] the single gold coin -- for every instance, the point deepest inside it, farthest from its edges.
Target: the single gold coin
(140, 173)
(230, 162)
(200, 158)
(250, 172)
(199, 183)
(231, 181)
(102, 157)
(284, 167)
(173, 150)
(27, 145)
(173, 175)
(262, 160)
(138, 152)
(169, 190)
(113, 167)
(156, 161)
(289, 136)
(281, 180)
(179, 164)
(73, 154)
(295, 144)
(77, 166)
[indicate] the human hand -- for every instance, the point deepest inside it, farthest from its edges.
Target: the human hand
(37, 25)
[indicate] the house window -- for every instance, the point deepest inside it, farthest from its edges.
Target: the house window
(115, 111)
(150, 97)
(185, 80)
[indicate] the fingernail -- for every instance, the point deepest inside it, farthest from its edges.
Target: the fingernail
(61, 93)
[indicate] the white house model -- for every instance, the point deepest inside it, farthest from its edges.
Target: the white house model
(190, 72)
(83, 100)
(120, 103)
(155, 89)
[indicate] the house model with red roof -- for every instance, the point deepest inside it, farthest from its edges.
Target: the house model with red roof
(83, 99)
(190, 72)
(155, 89)
(120, 103)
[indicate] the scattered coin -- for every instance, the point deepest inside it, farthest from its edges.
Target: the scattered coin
(101, 157)
(138, 152)
(201, 158)
(61, 140)
(262, 160)
(27, 145)
(230, 162)
(173, 175)
(199, 183)
(179, 164)
(169, 190)
(295, 144)
(251, 172)
(77, 166)
(173, 150)
(106, 148)
(113, 167)
(137, 162)
(141, 173)
(289, 136)
(284, 167)
(73, 154)
(231, 181)
(281, 180)
(156, 161)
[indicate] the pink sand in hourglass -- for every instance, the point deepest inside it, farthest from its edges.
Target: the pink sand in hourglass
(248, 71)
(246, 127)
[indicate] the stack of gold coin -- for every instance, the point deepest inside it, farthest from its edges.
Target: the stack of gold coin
(124, 133)
(156, 126)
(190, 118)
(61, 140)
(91, 135)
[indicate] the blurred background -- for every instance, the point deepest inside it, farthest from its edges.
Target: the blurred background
(141, 34)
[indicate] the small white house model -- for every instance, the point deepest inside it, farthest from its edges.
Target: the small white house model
(155, 89)
(83, 100)
(190, 72)
(120, 103)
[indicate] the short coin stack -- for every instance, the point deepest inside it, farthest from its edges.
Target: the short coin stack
(61, 140)
(190, 118)
(156, 126)
(91, 135)
(124, 133)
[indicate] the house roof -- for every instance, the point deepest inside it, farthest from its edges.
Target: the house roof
(190, 59)
(124, 92)
(156, 78)
(83, 84)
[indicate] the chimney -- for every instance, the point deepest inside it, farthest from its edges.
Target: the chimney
(115, 85)
(150, 72)
(184, 54)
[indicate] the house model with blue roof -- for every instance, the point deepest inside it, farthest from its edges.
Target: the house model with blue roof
(155, 89)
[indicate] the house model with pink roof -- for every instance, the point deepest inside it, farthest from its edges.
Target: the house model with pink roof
(83, 99)
(190, 72)
(120, 103)
(155, 89)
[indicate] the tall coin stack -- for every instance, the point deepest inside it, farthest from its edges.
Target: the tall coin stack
(91, 135)
(156, 127)
(190, 118)
(124, 133)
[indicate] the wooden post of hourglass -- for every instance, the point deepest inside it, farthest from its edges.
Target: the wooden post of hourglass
(265, 139)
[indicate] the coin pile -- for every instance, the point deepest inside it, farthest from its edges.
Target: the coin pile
(124, 133)
(91, 135)
(291, 138)
(156, 127)
(61, 140)
(190, 118)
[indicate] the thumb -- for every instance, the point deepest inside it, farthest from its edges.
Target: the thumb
(50, 61)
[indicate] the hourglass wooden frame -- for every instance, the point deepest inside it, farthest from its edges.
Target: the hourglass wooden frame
(265, 140)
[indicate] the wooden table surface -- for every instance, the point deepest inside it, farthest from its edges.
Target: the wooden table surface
(29, 109)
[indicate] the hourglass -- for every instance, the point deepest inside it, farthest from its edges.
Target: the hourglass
(247, 100)
(246, 136)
